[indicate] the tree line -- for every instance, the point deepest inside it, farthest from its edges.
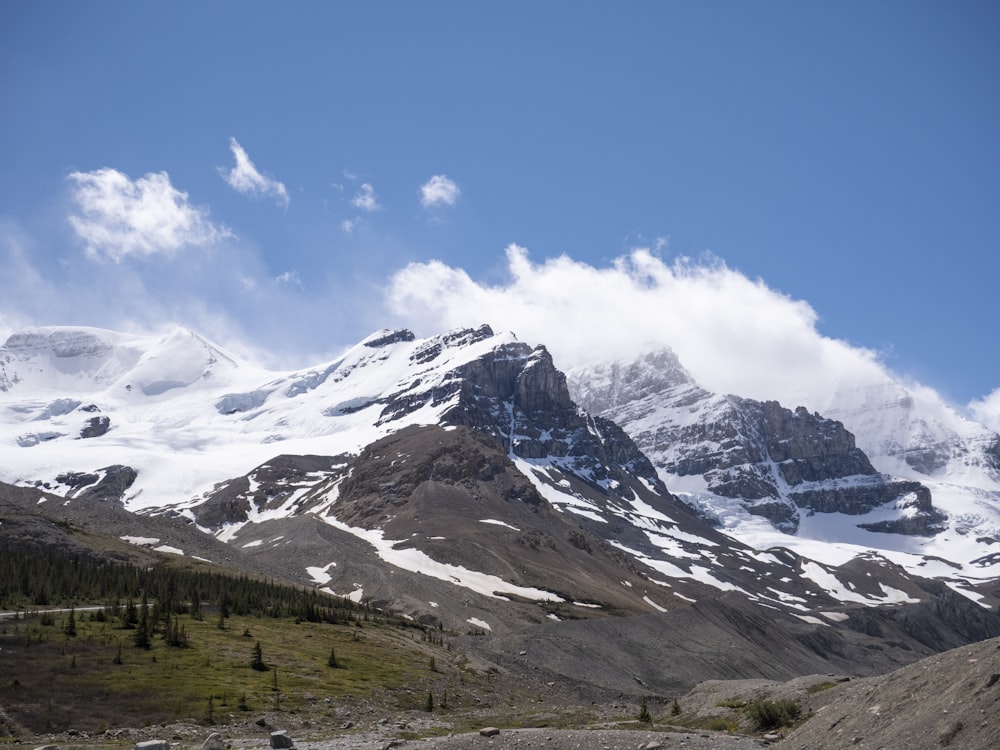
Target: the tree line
(36, 580)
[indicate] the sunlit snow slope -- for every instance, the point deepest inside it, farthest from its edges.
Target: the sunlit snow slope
(186, 414)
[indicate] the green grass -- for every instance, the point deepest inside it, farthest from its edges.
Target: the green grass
(820, 687)
(51, 682)
(720, 724)
(731, 703)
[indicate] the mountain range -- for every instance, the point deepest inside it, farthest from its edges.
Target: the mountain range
(465, 481)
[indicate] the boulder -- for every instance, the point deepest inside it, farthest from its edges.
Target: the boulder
(489, 731)
(214, 742)
(280, 740)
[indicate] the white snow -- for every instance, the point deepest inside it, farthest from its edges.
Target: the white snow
(321, 575)
(419, 562)
(140, 541)
(498, 523)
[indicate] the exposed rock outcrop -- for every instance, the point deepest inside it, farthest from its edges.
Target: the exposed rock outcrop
(776, 460)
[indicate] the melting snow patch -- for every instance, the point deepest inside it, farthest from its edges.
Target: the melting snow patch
(498, 523)
(653, 604)
(255, 543)
(586, 604)
(320, 575)
(836, 616)
(140, 541)
(812, 620)
(417, 561)
(168, 548)
(841, 591)
(476, 622)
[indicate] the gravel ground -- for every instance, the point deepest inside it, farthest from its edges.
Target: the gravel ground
(543, 739)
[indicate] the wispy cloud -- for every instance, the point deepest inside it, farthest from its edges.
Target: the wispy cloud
(365, 199)
(439, 190)
(987, 410)
(289, 277)
(246, 178)
(734, 334)
(119, 217)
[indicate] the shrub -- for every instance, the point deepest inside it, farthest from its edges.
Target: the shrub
(768, 714)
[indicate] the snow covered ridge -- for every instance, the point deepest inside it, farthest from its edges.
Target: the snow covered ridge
(882, 458)
(174, 424)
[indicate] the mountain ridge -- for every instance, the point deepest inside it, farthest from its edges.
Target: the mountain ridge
(454, 479)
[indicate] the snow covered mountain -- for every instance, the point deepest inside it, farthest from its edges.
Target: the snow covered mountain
(899, 472)
(453, 478)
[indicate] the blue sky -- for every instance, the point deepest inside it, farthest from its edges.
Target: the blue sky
(264, 172)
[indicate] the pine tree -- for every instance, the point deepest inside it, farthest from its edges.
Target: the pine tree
(141, 638)
(644, 715)
(257, 659)
(429, 706)
(332, 661)
(70, 628)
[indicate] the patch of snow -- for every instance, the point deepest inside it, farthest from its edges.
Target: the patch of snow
(320, 574)
(476, 622)
(812, 620)
(140, 541)
(498, 523)
(169, 549)
(417, 561)
(653, 604)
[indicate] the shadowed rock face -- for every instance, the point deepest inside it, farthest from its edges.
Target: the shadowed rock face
(106, 485)
(95, 427)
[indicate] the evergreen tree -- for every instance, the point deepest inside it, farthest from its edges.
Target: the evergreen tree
(644, 715)
(70, 628)
(332, 661)
(257, 659)
(141, 638)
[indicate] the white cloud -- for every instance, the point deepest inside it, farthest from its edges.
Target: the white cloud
(365, 199)
(348, 225)
(439, 190)
(121, 217)
(245, 178)
(734, 334)
(987, 410)
(289, 277)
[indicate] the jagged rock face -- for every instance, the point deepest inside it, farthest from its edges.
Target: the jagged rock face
(776, 460)
(105, 485)
(517, 394)
(266, 488)
(95, 427)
